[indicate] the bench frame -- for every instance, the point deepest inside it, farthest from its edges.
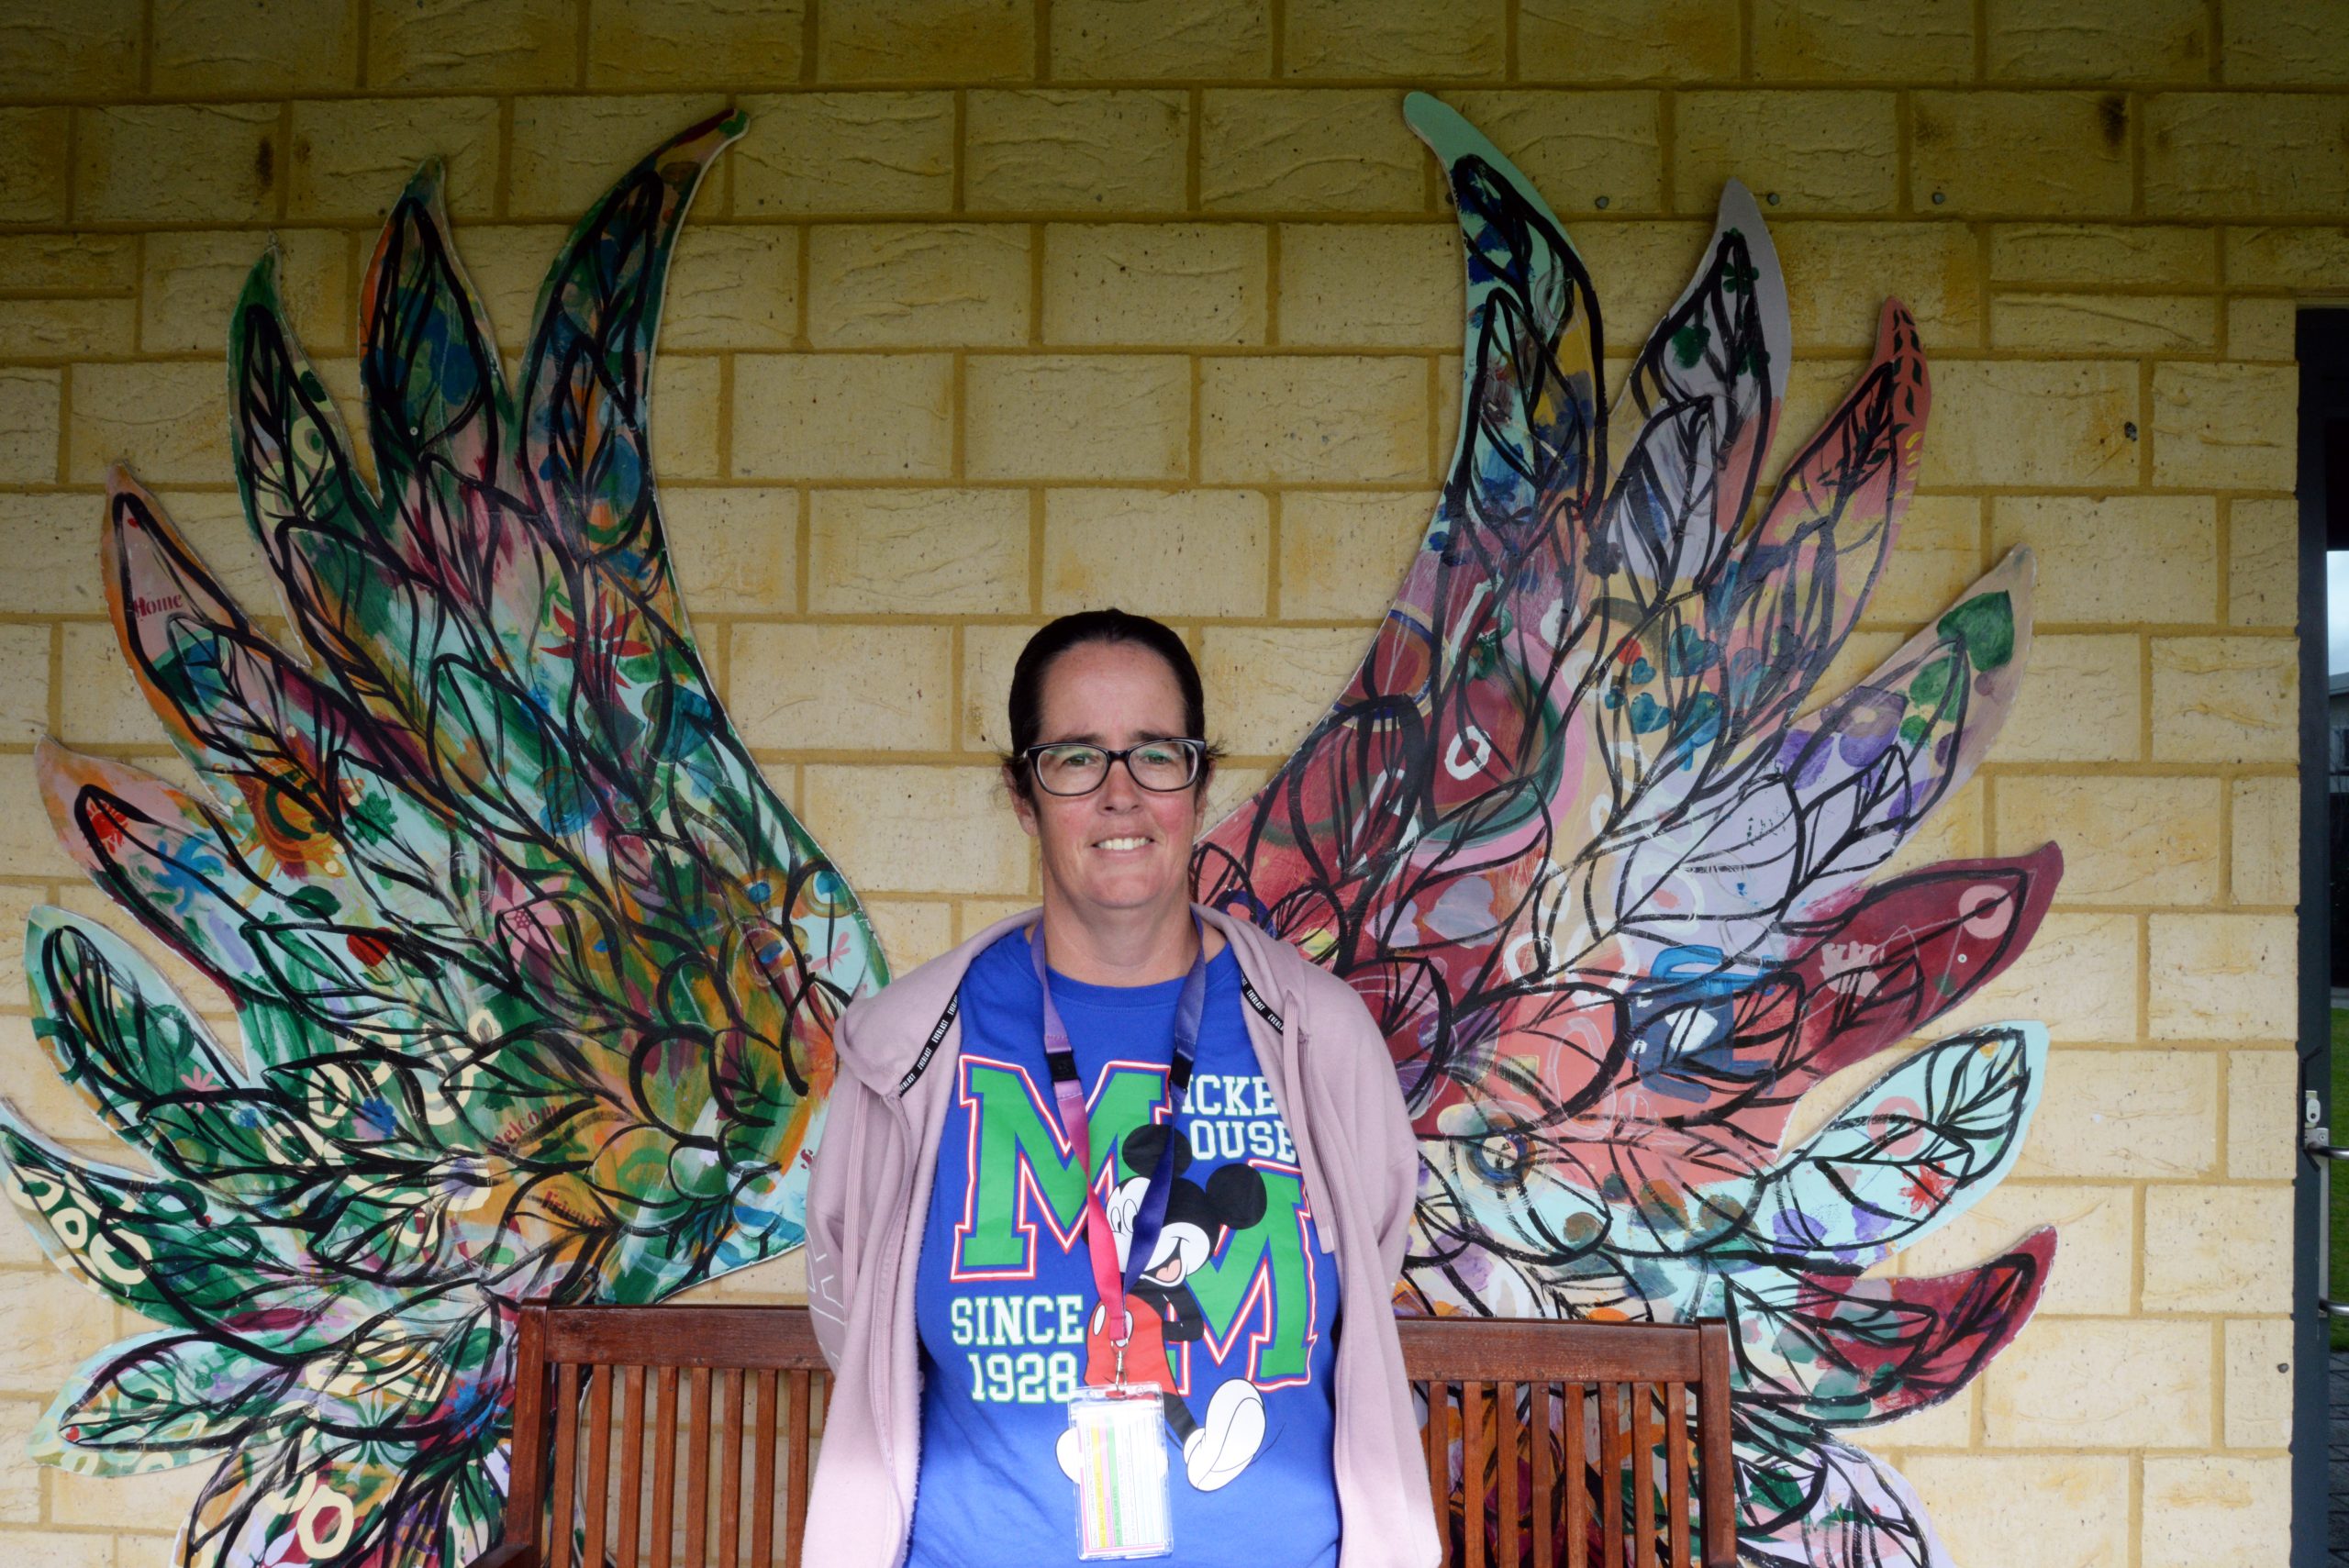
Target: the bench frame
(1493, 1387)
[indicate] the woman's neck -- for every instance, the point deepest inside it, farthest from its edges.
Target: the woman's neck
(1122, 947)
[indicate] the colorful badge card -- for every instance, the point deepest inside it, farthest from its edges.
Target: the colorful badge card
(1121, 1507)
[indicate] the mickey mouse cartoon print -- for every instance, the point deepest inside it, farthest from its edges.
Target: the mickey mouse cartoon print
(1217, 1447)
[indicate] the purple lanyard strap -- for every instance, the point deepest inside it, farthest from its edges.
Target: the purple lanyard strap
(1068, 1095)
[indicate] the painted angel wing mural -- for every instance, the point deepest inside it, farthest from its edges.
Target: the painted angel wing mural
(1586, 835)
(534, 975)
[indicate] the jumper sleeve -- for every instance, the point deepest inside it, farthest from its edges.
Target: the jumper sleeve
(832, 1187)
(1360, 1074)
(1392, 1148)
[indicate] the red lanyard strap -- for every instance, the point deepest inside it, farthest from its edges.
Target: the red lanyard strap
(1110, 1281)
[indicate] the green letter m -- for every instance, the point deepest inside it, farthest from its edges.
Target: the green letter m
(1020, 1162)
(1264, 1271)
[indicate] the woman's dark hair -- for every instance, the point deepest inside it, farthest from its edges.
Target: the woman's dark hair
(1112, 625)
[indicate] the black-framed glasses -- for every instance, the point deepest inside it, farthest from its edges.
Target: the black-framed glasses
(1079, 767)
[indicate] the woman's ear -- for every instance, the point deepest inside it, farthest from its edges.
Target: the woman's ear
(1021, 806)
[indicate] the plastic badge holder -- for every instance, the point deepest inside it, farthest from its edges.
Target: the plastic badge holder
(1121, 1507)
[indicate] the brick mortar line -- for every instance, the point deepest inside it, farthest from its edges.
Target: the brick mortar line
(2197, 1045)
(1592, 220)
(1393, 488)
(34, 293)
(1494, 81)
(2044, 1450)
(1837, 356)
(2210, 1049)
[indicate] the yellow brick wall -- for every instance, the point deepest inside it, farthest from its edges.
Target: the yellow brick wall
(989, 279)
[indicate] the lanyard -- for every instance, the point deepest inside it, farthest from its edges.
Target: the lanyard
(1068, 1095)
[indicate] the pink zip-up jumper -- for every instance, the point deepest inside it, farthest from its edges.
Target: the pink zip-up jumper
(869, 1192)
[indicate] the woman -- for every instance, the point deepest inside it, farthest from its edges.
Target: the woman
(962, 1258)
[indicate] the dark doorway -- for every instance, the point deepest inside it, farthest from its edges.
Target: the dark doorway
(2320, 1430)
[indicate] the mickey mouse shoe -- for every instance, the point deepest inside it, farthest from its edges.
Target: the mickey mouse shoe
(1228, 1439)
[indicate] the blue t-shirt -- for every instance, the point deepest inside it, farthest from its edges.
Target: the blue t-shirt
(1246, 1298)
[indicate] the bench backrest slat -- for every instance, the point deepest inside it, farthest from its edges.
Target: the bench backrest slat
(801, 1399)
(729, 1470)
(1713, 1435)
(1676, 1397)
(632, 1383)
(566, 1399)
(762, 1450)
(1536, 1433)
(1611, 1450)
(599, 1466)
(664, 1464)
(1505, 1403)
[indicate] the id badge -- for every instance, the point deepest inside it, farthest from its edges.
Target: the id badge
(1121, 1507)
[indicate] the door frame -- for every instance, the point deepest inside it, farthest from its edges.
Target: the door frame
(2322, 340)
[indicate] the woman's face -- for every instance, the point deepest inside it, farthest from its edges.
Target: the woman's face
(1122, 847)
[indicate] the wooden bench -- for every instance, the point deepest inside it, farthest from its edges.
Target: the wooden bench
(1516, 1389)
(1515, 1406)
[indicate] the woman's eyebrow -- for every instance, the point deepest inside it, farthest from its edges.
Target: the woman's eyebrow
(1089, 737)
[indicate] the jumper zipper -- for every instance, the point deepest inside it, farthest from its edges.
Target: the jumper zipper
(884, 1364)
